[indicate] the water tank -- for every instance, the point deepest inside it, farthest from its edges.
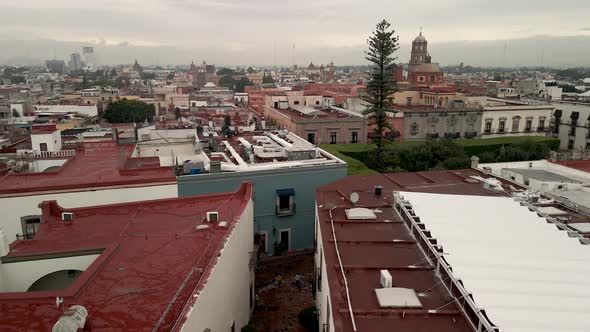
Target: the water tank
(73, 318)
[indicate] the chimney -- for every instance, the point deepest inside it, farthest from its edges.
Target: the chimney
(474, 162)
(378, 190)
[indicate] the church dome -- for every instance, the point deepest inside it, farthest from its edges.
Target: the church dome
(420, 38)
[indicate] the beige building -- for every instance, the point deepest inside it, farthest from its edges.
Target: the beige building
(318, 126)
(441, 99)
(294, 99)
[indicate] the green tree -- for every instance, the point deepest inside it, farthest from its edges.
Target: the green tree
(225, 71)
(227, 81)
(382, 46)
(241, 84)
(84, 81)
(148, 76)
(267, 79)
(129, 111)
(250, 70)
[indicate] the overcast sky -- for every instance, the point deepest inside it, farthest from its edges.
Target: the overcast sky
(237, 26)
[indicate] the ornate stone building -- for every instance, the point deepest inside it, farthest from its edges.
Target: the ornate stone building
(421, 70)
(426, 123)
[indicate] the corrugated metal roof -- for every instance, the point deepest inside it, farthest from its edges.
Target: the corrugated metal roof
(524, 272)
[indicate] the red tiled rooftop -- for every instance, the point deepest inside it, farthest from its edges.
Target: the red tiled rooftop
(147, 249)
(368, 246)
(96, 164)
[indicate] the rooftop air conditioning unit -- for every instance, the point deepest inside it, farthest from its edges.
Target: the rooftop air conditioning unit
(386, 280)
(212, 216)
(67, 216)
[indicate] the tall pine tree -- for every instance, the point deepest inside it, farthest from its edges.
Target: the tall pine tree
(382, 46)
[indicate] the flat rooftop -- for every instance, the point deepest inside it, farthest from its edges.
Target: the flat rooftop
(316, 114)
(542, 175)
(95, 164)
(257, 150)
(146, 252)
(386, 243)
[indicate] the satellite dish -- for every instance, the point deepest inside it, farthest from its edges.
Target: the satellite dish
(354, 197)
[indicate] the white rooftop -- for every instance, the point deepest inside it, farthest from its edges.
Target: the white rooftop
(524, 272)
(582, 227)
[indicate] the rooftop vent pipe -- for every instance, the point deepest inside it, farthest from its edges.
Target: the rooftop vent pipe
(378, 190)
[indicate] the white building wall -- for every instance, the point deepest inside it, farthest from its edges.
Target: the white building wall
(573, 173)
(582, 131)
(53, 141)
(323, 303)
(18, 277)
(508, 113)
(13, 208)
(226, 296)
(164, 150)
(89, 110)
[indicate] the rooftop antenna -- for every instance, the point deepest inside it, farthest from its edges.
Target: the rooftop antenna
(293, 55)
(275, 56)
(504, 60)
(354, 197)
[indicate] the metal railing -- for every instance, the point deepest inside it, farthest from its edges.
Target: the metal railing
(25, 236)
(474, 315)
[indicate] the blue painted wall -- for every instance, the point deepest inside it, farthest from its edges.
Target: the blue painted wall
(303, 180)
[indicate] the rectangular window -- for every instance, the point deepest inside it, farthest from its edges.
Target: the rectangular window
(285, 202)
(29, 224)
(488, 128)
(587, 146)
(570, 144)
(502, 126)
(317, 102)
(355, 137)
(332, 138)
(541, 124)
(528, 125)
(311, 138)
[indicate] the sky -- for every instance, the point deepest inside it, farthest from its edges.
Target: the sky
(236, 31)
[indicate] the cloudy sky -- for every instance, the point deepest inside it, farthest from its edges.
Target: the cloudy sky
(241, 30)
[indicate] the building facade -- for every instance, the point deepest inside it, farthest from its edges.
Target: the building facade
(421, 70)
(516, 120)
(292, 228)
(571, 124)
(427, 123)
